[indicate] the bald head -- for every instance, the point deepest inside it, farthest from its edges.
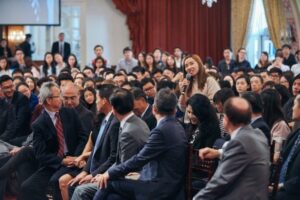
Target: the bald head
(70, 93)
(238, 111)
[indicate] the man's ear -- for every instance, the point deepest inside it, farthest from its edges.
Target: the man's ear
(154, 109)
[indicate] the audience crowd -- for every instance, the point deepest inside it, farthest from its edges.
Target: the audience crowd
(124, 132)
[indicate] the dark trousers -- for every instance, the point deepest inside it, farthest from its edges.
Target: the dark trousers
(24, 163)
(118, 190)
(35, 187)
(24, 159)
(3, 181)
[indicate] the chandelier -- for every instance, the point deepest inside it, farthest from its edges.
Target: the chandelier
(209, 2)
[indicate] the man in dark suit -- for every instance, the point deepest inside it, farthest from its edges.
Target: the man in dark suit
(289, 178)
(105, 148)
(244, 160)
(7, 120)
(257, 121)
(62, 47)
(226, 65)
(58, 137)
(142, 108)
(21, 108)
(71, 99)
(27, 47)
(133, 134)
(162, 176)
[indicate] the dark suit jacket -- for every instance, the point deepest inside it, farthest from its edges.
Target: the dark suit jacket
(86, 117)
(23, 114)
(225, 69)
(105, 153)
(7, 121)
(263, 126)
(9, 54)
(163, 159)
(26, 47)
(45, 141)
(291, 187)
(149, 118)
(67, 49)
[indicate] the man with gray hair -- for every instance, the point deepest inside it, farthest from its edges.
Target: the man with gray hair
(163, 159)
(58, 136)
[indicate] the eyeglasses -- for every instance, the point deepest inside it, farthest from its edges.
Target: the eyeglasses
(53, 97)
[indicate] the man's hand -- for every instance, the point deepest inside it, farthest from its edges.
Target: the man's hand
(78, 178)
(208, 153)
(86, 179)
(102, 180)
(15, 150)
(69, 161)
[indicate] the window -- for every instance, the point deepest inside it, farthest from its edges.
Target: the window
(44, 36)
(258, 36)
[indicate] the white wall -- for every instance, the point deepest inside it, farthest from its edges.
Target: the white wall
(107, 26)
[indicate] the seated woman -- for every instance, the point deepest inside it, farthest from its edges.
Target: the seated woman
(204, 126)
(273, 115)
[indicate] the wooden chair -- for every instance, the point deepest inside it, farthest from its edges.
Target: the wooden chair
(196, 165)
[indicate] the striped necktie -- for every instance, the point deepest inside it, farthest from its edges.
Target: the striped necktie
(60, 135)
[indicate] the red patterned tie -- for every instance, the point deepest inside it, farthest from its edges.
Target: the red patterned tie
(60, 136)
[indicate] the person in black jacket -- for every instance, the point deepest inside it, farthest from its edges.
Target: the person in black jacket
(7, 120)
(21, 108)
(105, 141)
(257, 121)
(142, 108)
(62, 47)
(204, 124)
(289, 178)
(58, 138)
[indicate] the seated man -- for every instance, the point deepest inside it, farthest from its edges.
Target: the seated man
(244, 166)
(133, 134)
(142, 108)
(57, 137)
(289, 179)
(20, 104)
(162, 176)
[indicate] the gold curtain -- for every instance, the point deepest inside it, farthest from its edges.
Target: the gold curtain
(275, 19)
(240, 20)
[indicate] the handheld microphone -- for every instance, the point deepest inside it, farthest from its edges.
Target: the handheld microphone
(189, 78)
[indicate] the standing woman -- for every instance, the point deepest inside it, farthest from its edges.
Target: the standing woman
(48, 68)
(150, 62)
(273, 115)
(200, 82)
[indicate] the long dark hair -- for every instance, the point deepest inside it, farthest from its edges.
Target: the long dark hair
(208, 120)
(52, 65)
(272, 110)
(76, 62)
